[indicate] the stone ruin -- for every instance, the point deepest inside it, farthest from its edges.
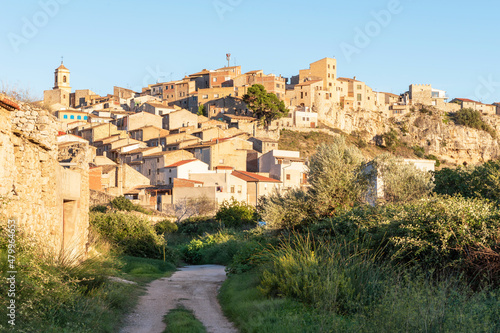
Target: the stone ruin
(43, 185)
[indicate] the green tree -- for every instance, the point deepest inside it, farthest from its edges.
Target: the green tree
(201, 110)
(265, 106)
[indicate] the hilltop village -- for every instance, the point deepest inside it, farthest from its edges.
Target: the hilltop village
(196, 136)
(195, 140)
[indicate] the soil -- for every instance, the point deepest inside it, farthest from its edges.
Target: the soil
(194, 287)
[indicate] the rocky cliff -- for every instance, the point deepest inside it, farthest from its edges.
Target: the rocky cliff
(427, 127)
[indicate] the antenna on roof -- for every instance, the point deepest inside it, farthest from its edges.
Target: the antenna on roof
(228, 58)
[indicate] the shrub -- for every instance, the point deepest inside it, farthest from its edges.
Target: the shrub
(286, 210)
(165, 227)
(335, 177)
(130, 234)
(482, 181)
(236, 214)
(218, 248)
(402, 181)
(419, 151)
(391, 139)
(473, 119)
(197, 226)
(435, 234)
(122, 203)
(99, 208)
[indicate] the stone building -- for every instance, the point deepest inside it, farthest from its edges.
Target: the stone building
(45, 188)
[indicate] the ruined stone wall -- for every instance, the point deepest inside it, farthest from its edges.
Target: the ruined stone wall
(100, 198)
(32, 181)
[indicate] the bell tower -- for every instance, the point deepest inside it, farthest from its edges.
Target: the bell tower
(61, 78)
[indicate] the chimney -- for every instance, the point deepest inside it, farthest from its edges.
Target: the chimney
(354, 78)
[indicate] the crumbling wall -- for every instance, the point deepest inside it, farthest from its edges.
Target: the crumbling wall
(32, 180)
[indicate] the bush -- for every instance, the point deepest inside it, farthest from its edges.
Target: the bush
(165, 227)
(335, 177)
(435, 234)
(287, 210)
(99, 208)
(130, 234)
(198, 226)
(482, 181)
(122, 203)
(218, 248)
(473, 119)
(402, 181)
(391, 139)
(236, 214)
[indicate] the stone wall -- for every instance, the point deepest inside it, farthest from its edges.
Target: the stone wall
(100, 198)
(35, 186)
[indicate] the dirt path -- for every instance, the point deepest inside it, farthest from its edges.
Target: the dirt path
(195, 287)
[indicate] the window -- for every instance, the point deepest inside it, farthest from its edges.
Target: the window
(72, 117)
(149, 173)
(232, 188)
(65, 116)
(360, 97)
(328, 75)
(239, 189)
(205, 97)
(288, 177)
(158, 160)
(216, 95)
(215, 79)
(85, 117)
(170, 180)
(359, 87)
(330, 84)
(79, 117)
(64, 79)
(306, 94)
(157, 171)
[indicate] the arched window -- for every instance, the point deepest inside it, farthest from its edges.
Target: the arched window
(72, 117)
(79, 117)
(85, 117)
(65, 116)
(64, 78)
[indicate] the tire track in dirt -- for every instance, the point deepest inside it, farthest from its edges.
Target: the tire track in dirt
(195, 287)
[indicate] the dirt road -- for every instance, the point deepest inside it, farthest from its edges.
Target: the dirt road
(195, 287)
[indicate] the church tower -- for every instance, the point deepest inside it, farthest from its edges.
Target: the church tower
(60, 95)
(61, 79)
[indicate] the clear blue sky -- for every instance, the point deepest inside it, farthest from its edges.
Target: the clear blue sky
(452, 45)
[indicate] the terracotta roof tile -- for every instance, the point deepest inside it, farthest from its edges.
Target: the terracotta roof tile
(253, 177)
(176, 164)
(8, 104)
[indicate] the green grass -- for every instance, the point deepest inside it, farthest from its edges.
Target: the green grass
(145, 270)
(182, 320)
(251, 311)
